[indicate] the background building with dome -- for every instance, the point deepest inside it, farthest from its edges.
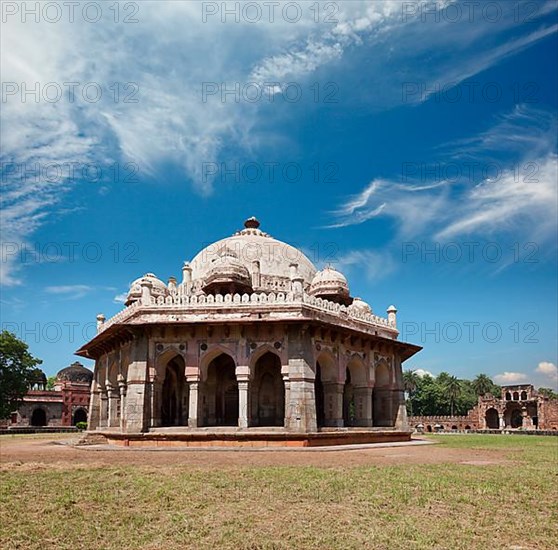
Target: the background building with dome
(255, 344)
(63, 406)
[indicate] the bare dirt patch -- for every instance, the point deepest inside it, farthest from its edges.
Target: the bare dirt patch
(31, 453)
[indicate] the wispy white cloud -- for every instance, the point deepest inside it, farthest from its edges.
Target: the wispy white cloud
(522, 198)
(73, 292)
(549, 371)
(170, 123)
(510, 378)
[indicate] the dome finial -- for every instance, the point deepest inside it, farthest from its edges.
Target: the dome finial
(252, 223)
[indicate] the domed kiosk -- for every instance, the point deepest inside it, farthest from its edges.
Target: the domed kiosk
(254, 347)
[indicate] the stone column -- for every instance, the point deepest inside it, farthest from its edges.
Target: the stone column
(112, 395)
(398, 402)
(136, 419)
(243, 379)
(502, 421)
(287, 384)
(94, 408)
(301, 415)
(122, 391)
(363, 405)
(193, 380)
(333, 404)
(155, 397)
(103, 411)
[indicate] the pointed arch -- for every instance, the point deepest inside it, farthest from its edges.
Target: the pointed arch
(267, 391)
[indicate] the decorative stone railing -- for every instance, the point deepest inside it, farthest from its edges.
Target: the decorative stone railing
(194, 302)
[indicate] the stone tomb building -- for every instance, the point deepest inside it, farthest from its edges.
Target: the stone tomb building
(253, 346)
(64, 406)
(519, 407)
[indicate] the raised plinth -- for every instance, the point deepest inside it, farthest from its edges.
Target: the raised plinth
(250, 437)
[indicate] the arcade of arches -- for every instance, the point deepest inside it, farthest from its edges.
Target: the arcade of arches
(240, 383)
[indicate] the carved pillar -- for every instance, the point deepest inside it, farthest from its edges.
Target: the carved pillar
(398, 402)
(136, 393)
(112, 395)
(103, 411)
(302, 404)
(193, 380)
(122, 391)
(287, 384)
(243, 379)
(93, 417)
(333, 404)
(363, 406)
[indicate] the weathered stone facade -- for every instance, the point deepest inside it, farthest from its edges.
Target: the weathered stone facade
(519, 407)
(253, 337)
(65, 405)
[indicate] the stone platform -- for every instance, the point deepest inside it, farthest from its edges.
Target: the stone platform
(250, 437)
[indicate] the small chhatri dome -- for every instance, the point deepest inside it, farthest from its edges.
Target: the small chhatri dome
(158, 288)
(76, 372)
(360, 306)
(227, 274)
(331, 285)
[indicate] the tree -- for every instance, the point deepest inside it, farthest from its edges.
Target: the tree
(51, 381)
(452, 385)
(411, 381)
(16, 372)
(482, 384)
(548, 392)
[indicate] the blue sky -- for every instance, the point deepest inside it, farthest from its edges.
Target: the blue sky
(414, 150)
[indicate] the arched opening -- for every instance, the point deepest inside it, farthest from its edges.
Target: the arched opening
(80, 415)
(173, 393)
(508, 396)
(454, 428)
(328, 393)
(220, 398)
(349, 407)
(516, 420)
(429, 428)
(523, 395)
(382, 397)
(467, 427)
(516, 396)
(492, 419)
(39, 418)
(357, 406)
(268, 392)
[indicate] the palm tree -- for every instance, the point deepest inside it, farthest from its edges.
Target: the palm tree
(453, 388)
(482, 384)
(410, 384)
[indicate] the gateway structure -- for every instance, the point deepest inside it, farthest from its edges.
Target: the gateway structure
(254, 345)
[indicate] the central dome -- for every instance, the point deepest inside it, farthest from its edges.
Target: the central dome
(267, 260)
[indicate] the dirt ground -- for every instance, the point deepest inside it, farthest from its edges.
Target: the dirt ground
(54, 451)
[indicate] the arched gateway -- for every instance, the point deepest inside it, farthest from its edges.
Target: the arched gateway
(252, 340)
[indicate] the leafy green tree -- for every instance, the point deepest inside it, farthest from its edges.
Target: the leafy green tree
(452, 386)
(16, 372)
(51, 381)
(548, 392)
(411, 381)
(482, 384)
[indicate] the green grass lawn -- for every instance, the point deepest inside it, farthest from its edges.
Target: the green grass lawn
(442, 506)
